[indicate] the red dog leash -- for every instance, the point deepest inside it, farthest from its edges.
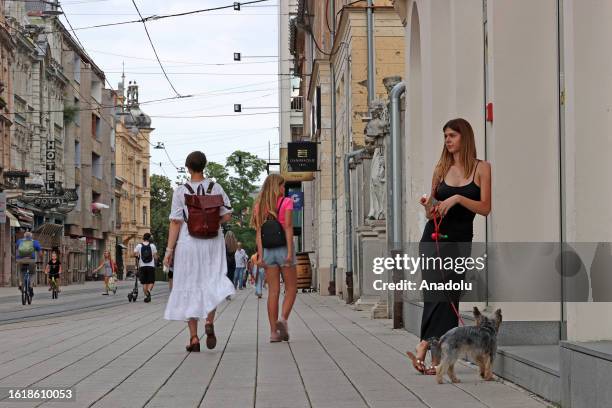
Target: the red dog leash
(436, 236)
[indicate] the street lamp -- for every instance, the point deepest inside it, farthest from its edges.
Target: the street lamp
(159, 146)
(236, 6)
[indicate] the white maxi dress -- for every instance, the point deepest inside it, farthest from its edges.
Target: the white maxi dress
(200, 281)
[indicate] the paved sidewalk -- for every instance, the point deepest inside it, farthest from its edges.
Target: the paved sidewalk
(131, 357)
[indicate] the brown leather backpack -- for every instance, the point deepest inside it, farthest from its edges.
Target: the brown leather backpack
(204, 211)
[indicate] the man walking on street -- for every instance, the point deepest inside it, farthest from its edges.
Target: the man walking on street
(146, 255)
(27, 248)
(241, 264)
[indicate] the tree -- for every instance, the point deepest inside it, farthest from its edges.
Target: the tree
(238, 178)
(247, 169)
(161, 203)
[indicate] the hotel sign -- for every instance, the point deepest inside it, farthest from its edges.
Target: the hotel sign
(302, 156)
(292, 175)
(50, 164)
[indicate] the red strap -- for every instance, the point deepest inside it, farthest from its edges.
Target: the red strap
(436, 237)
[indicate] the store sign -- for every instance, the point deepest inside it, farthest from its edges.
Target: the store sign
(50, 164)
(302, 156)
(2, 208)
(292, 175)
(61, 199)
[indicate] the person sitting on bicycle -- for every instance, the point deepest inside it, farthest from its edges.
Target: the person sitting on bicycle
(54, 270)
(27, 248)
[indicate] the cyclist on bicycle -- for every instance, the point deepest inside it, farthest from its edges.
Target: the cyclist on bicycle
(54, 270)
(27, 249)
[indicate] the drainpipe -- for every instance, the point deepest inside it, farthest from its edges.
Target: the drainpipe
(396, 232)
(370, 40)
(332, 277)
(349, 223)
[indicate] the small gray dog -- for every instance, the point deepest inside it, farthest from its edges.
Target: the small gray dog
(476, 342)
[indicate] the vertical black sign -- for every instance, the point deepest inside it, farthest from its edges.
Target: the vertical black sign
(302, 156)
(50, 165)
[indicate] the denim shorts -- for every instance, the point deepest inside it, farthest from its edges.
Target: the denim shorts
(276, 256)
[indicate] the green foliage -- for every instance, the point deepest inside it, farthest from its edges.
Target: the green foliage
(247, 169)
(238, 180)
(161, 203)
(70, 112)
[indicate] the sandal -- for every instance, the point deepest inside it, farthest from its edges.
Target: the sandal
(211, 339)
(283, 331)
(275, 338)
(195, 347)
(416, 363)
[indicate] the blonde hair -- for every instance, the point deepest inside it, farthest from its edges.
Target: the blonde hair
(265, 204)
(467, 152)
(231, 243)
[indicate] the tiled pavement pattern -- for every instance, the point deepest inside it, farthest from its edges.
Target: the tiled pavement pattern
(126, 355)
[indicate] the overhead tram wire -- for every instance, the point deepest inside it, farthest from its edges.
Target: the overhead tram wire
(163, 16)
(155, 51)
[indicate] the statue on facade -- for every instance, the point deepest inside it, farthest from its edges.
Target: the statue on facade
(375, 132)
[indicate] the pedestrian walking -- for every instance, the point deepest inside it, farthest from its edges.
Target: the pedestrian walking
(110, 268)
(197, 247)
(27, 248)
(460, 189)
(146, 255)
(231, 245)
(272, 220)
(241, 259)
(259, 274)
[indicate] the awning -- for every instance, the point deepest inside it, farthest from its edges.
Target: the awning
(13, 220)
(50, 230)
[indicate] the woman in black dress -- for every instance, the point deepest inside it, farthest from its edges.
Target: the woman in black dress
(462, 186)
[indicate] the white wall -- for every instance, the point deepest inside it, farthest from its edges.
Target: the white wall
(445, 79)
(588, 64)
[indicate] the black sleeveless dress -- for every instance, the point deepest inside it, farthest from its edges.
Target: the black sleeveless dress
(438, 314)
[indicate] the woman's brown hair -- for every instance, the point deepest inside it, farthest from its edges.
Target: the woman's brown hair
(266, 201)
(467, 152)
(231, 243)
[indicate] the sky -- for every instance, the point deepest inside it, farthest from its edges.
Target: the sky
(189, 48)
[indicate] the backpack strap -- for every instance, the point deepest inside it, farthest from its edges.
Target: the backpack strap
(279, 208)
(210, 187)
(189, 188)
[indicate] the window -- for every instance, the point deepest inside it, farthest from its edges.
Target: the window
(20, 111)
(95, 126)
(144, 216)
(96, 89)
(144, 178)
(77, 154)
(77, 67)
(96, 166)
(77, 109)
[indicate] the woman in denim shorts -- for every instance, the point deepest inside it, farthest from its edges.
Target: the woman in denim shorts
(272, 204)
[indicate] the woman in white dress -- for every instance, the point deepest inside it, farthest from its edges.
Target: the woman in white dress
(200, 265)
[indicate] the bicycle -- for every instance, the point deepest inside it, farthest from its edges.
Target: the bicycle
(54, 288)
(26, 289)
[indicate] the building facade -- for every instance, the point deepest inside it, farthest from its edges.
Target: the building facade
(338, 126)
(7, 55)
(90, 140)
(132, 188)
